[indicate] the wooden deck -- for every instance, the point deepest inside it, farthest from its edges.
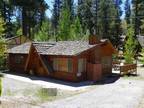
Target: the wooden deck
(128, 69)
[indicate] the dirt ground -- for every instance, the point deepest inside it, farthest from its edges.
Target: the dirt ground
(141, 73)
(111, 92)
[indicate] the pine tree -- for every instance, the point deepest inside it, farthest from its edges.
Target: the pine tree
(141, 14)
(79, 8)
(128, 12)
(69, 4)
(130, 46)
(2, 43)
(33, 13)
(2, 24)
(108, 19)
(86, 16)
(6, 10)
(138, 7)
(43, 34)
(64, 25)
(101, 18)
(56, 14)
(115, 26)
(76, 31)
(95, 9)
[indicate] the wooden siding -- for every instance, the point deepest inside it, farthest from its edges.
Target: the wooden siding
(106, 65)
(18, 67)
(64, 75)
(94, 71)
(35, 64)
(95, 56)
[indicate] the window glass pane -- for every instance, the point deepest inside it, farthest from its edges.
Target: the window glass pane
(62, 64)
(19, 59)
(81, 65)
(70, 65)
(55, 64)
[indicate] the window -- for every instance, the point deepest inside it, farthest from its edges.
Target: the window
(81, 65)
(19, 59)
(70, 66)
(62, 64)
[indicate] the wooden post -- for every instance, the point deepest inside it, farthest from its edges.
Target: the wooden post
(136, 63)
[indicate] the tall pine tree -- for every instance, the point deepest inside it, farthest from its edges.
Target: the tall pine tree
(64, 25)
(56, 14)
(128, 12)
(86, 16)
(69, 4)
(109, 19)
(138, 7)
(33, 13)
(6, 9)
(2, 43)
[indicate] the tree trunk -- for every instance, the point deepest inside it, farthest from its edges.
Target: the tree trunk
(136, 19)
(24, 22)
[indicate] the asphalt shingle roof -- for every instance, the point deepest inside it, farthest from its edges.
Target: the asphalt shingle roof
(54, 48)
(21, 49)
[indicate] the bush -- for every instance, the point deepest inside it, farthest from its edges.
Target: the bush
(2, 53)
(0, 87)
(2, 44)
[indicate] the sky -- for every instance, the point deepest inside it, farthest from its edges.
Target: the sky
(50, 3)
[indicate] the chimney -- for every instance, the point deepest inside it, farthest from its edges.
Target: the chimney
(94, 39)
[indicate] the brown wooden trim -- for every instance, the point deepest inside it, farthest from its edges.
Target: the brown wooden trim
(27, 61)
(20, 39)
(63, 72)
(30, 52)
(87, 51)
(43, 64)
(59, 56)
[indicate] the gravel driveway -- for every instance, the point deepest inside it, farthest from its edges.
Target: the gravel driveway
(124, 93)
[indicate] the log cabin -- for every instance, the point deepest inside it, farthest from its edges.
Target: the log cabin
(66, 60)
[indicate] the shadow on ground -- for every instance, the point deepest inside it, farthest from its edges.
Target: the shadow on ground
(105, 80)
(108, 79)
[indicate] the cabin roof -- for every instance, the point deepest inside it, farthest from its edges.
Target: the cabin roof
(67, 48)
(53, 48)
(21, 49)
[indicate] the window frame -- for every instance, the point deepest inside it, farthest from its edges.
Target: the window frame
(82, 66)
(59, 62)
(18, 59)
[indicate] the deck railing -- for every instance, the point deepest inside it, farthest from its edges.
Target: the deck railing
(128, 69)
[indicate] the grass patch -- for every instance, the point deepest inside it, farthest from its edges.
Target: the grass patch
(28, 92)
(9, 93)
(0, 86)
(43, 95)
